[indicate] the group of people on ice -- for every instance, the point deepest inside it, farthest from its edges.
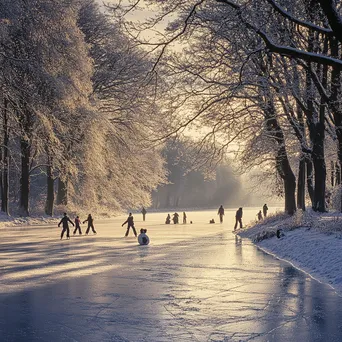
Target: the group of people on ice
(175, 218)
(238, 216)
(143, 238)
(65, 225)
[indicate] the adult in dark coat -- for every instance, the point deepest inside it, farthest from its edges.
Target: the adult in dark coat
(238, 218)
(130, 223)
(65, 222)
(221, 213)
(175, 218)
(264, 209)
(90, 221)
(143, 211)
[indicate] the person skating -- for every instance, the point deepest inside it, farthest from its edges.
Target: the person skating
(90, 221)
(175, 218)
(65, 221)
(221, 213)
(77, 226)
(184, 217)
(143, 239)
(238, 218)
(264, 209)
(130, 223)
(168, 219)
(143, 211)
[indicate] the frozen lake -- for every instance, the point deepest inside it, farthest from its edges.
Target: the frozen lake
(194, 282)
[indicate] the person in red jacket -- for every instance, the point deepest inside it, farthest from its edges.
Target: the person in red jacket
(77, 225)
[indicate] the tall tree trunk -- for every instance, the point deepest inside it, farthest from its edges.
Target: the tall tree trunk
(316, 124)
(301, 184)
(50, 197)
(25, 148)
(290, 189)
(332, 173)
(62, 192)
(289, 179)
(276, 133)
(319, 167)
(282, 161)
(318, 155)
(309, 180)
(2, 166)
(337, 174)
(303, 143)
(6, 161)
(26, 125)
(335, 102)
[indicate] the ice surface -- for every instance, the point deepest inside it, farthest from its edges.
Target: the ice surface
(194, 282)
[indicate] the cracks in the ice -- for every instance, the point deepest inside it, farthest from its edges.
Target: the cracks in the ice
(179, 322)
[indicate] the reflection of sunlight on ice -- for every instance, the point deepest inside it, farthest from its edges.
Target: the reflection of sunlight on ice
(40, 276)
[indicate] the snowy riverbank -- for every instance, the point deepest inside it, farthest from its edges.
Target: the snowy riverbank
(312, 243)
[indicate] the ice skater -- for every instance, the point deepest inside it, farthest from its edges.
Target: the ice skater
(184, 217)
(238, 218)
(130, 223)
(77, 226)
(143, 211)
(168, 219)
(65, 221)
(264, 209)
(90, 221)
(175, 218)
(221, 213)
(143, 239)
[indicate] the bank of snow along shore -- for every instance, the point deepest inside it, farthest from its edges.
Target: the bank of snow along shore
(312, 242)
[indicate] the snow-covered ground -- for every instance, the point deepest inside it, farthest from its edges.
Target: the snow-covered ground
(312, 242)
(194, 282)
